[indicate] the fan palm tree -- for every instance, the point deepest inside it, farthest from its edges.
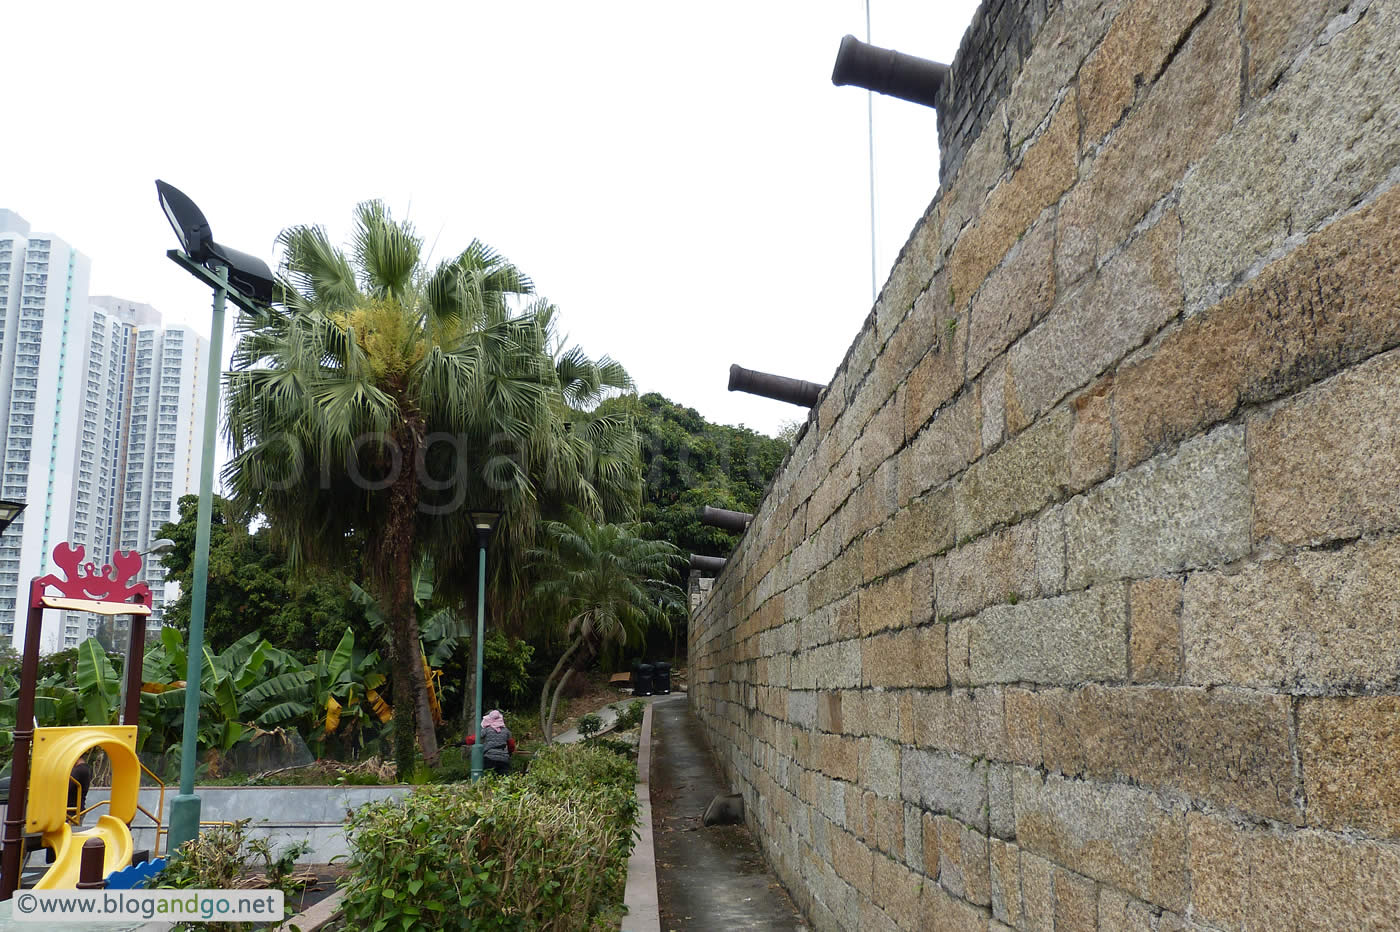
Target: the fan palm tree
(607, 584)
(383, 399)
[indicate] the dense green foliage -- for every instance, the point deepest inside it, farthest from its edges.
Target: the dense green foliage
(604, 585)
(543, 850)
(250, 586)
(385, 398)
(688, 462)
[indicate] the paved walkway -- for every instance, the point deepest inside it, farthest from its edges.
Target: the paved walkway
(707, 878)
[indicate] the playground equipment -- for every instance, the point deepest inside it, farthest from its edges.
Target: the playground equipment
(44, 757)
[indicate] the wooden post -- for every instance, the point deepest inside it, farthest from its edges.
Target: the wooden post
(12, 857)
(135, 660)
(90, 867)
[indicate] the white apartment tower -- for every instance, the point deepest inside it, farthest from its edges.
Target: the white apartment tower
(101, 422)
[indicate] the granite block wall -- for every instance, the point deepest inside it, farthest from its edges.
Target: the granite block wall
(1077, 603)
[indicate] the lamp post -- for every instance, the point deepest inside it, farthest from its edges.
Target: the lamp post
(484, 522)
(9, 511)
(247, 281)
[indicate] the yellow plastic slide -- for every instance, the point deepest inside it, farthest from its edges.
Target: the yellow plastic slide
(68, 852)
(56, 750)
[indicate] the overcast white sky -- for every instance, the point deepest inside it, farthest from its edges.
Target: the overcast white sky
(683, 180)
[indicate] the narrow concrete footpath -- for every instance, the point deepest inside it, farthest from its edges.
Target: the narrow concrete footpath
(707, 878)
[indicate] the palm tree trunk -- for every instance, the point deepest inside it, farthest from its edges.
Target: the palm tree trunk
(544, 693)
(399, 548)
(554, 705)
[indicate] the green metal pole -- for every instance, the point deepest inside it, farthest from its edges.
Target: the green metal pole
(184, 808)
(477, 760)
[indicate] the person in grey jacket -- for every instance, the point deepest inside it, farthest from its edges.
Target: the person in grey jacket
(496, 743)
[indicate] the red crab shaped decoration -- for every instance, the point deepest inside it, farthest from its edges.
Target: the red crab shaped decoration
(86, 582)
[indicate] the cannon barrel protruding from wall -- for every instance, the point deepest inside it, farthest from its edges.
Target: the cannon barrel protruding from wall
(886, 71)
(706, 564)
(724, 518)
(779, 387)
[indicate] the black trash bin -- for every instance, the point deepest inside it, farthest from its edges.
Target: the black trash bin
(661, 679)
(642, 680)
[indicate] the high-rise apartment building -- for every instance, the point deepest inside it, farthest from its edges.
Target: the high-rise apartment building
(101, 422)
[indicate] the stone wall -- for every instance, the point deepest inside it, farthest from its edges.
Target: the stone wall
(1077, 603)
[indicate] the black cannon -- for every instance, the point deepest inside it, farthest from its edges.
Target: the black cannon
(724, 518)
(886, 71)
(706, 564)
(779, 387)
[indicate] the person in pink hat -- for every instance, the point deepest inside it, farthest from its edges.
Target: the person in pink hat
(496, 743)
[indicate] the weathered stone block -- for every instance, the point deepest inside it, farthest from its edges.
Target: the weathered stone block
(1027, 473)
(1351, 763)
(967, 722)
(1324, 306)
(1328, 135)
(1308, 488)
(1062, 640)
(959, 668)
(1154, 626)
(1048, 169)
(1115, 834)
(882, 436)
(993, 390)
(1275, 31)
(982, 168)
(1072, 30)
(1004, 877)
(1076, 903)
(853, 861)
(943, 912)
(879, 769)
(898, 890)
(990, 570)
(1119, 912)
(923, 527)
(1230, 747)
(1092, 328)
(1016, 295)
(945, 783)
(1313, 622)
(920, 258)
(1001, 805)
(1037, 893)
(938, 372)
(886, 604)
(943, 448)
(1132, 55)
(836, 756)
(1299, 880)
(1149, 152)
(1091, 440)
(1022, 726)
(1188, 510)
(913, 657)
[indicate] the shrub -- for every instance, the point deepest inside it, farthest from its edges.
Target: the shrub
(589, 725)
(544, 850)
(222, 857)
(631, 716)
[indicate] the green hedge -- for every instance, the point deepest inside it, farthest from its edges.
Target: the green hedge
(543, 850)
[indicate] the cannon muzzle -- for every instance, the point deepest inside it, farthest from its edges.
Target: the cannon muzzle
(706, 564)
(782, 388)
(724, 518)
(886, 71)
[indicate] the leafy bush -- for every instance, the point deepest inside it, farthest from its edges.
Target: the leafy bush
(224, 858)
(544, 850)
(631, 716)
(589, 725)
